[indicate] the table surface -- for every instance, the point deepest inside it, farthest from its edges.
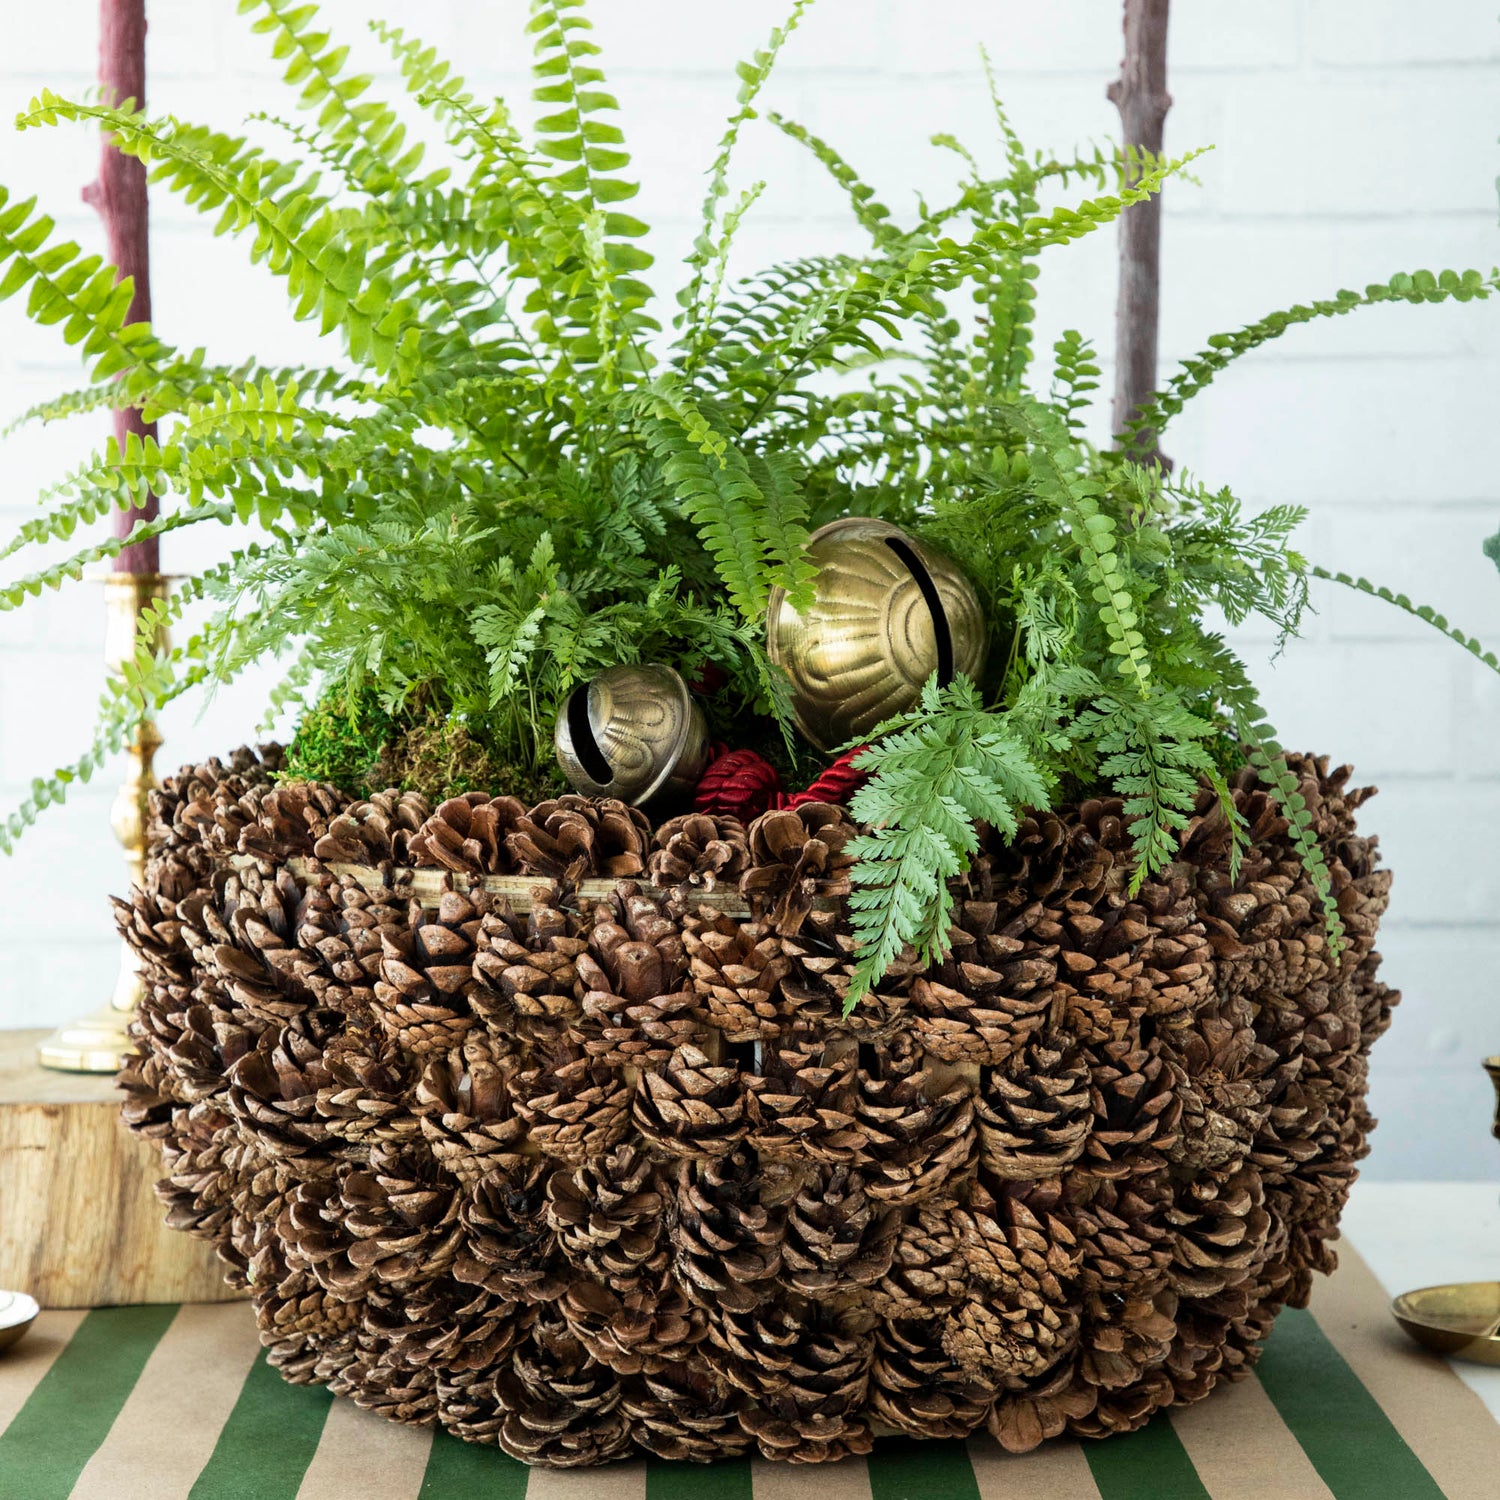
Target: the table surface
(1415, 1234)
(178, 1403)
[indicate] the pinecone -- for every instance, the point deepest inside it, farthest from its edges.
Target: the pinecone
(393, 1221)
(467, 835)
(273, 1090)
(1017, 1246)
(1220, 1230)
(727, 1246)
(699, 850)
(928, 1273)
(1136, 1110)
(574, 1109)
(1126, 1410)
(807, 1370)
(799, 1105)
(1017, 1335)
(735, 968)
(609, 1218)
(446, 1327)
(283, 821)
(464, 1111)
(1122, 1241)
(915, 1388)
(638, 1003)
(836, 1239)
(426, 974)
(561, 1406)
(822, 959)
(679, 1414)
(508, 1244)
(689, 1107)
(377, 832)
(1034, 1111)
(643, 1332)
(342, 925)
(1029, 1412)
(526, 969)
(569, 838)
(1224, 1083)
(1126, 1335)
(919, 1130)
(370, 1081)
(796, 856)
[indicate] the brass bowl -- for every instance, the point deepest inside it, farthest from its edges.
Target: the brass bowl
(17, 1314)
(634, 733)
(888, 611)
(1460, 1319)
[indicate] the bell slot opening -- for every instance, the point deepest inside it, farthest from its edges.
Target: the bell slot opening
(585, 746)
(940, 632)
(748, 1057)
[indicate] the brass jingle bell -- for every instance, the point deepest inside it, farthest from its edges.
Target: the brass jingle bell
(888, 611)
(634, 733)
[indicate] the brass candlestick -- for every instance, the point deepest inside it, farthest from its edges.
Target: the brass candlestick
(96, 1043)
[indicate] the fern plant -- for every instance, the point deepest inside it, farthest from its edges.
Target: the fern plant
(518, 465)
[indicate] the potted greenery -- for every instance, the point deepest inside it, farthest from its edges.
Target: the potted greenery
(1014, 1076)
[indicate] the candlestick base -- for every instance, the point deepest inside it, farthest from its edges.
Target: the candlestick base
(95, 1044)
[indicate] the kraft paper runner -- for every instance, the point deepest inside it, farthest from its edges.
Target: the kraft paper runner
(23, 1366)
(155, 1448)
(174, 1404)
(1237, 1437)
(1451, 1432)
(1056, 1471)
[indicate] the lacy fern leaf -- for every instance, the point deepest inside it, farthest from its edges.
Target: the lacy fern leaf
(939, 770)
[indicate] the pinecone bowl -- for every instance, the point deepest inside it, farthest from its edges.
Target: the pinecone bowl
(544, 1124)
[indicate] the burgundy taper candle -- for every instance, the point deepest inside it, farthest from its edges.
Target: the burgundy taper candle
(120, 197)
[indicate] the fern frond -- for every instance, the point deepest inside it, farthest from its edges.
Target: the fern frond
(1223, 348)
(295, 233)
(873, 216)
(76, 290)
(1422, 612)
(752, 76)
(936, 772)
(366, 135)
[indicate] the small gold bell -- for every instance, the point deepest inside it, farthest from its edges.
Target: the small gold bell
(888, 611)
(634, 733)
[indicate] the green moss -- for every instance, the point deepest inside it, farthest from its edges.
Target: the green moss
(340, 740)
(353, 743)
(441, 758)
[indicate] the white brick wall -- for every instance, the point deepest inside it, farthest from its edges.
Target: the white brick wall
(1354, 138)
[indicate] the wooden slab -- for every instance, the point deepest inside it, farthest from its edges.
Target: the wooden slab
(79, 1223)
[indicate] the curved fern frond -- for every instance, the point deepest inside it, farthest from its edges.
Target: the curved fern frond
(1422, 612)
(752, 76)
(71, 569)
(873, 216)
(365, 135)
(295, 233)
(1224, 348)
(76, 290)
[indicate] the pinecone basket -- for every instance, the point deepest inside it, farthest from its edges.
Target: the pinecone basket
(543, 1124)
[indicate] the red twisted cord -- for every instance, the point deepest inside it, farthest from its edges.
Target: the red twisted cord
(743, 784)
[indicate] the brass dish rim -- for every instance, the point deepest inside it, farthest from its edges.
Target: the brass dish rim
(1478, 1343)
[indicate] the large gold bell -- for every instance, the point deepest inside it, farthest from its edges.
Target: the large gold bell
(634, 733)
(888, 611)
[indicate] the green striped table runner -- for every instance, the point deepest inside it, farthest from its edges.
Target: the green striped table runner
(176, 1403)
